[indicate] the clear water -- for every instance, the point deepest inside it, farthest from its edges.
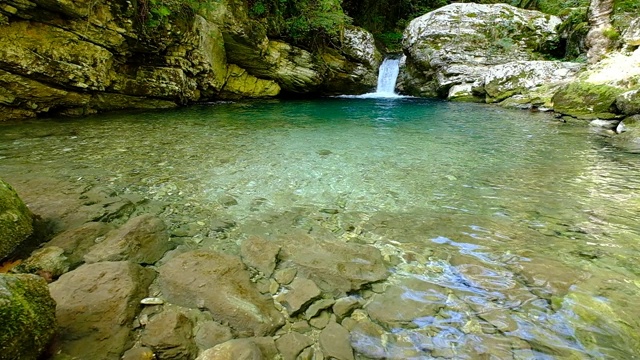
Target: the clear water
(528, 227)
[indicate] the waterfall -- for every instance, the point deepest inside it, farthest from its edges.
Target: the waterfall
(387, 76)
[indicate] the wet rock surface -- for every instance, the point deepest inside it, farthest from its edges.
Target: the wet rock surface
(169, 335)
(221, 284)
(142, 239)
(335, 267)
(112, 291)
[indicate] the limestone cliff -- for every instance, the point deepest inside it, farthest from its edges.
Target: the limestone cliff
(80, 57)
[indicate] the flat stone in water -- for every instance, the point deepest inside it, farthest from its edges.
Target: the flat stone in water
(220, 283)
(336, 267)
(301, 293)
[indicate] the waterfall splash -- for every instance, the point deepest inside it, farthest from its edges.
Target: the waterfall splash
(387, 76)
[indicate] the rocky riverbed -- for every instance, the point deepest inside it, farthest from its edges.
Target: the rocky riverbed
(281, 238)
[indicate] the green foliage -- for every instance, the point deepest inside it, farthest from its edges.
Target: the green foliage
(611, 33)
(392, 40)
(626, 6)
(154, 13)
(303, 22)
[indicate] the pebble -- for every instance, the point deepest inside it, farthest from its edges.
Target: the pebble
(152, 301)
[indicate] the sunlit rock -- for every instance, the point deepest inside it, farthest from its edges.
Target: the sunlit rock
(221, 284)
(454, 44)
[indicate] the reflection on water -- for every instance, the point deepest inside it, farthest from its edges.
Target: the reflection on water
(508, 233)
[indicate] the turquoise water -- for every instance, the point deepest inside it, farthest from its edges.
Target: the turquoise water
(528, 227)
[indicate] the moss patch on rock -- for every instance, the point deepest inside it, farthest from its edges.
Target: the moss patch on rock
(27, 316)
(16, 221)
(586, 100)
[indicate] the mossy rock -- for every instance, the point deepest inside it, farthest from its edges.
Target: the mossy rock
(16, 221)
(629, 102)
(27, 316)
(586, 100)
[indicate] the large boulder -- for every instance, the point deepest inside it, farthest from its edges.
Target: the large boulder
(96, 305)
(596, 91)
(455, 44)
(629, 102)
(221, 284)
(28, 316)
(16, 221)
(522, 77)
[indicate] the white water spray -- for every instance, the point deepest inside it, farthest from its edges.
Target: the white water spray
(387, 76)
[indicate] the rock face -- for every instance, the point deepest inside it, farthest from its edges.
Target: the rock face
(28, 316)
(631, 35)
(524, 77)
(599, 21)
(112, 291)
(629, 102)
(16, 221)
(221, 284)
(455, 44)
(99, 56)
(596, 91)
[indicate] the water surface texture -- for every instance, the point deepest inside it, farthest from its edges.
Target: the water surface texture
(508, 233)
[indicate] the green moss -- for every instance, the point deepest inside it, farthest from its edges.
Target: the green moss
(16, 222)
(586, 100)
(28, 316)
(611, 34)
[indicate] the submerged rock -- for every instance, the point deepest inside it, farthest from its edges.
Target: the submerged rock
(260, 254)
(300, 294)
(27, 314)
(76, 242)
(629, 139)
(96, 305)
(291, 345)
(405, 302)
(335, 267)
(143, 240)
(237, 349)
(221, 284)
(16, 221)
(334, 342)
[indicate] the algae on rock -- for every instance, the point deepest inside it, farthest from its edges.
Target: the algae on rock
(27, 316)
(16, 220)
